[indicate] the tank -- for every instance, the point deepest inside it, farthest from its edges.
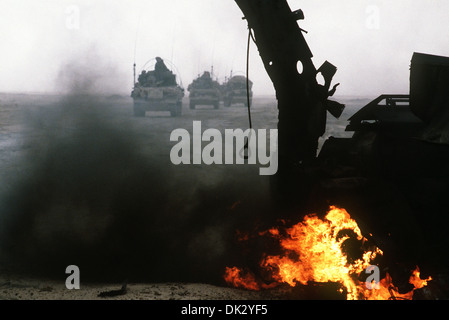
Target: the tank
(157, 89)
(234, 91)
(204, 91)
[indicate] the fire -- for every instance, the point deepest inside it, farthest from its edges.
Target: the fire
(416, 280)
(235, 277)
(314, 252)
(245, 280)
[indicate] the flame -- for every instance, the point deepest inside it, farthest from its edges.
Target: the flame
(313, 252)
(245, 280)
(416, 280)
(236, 278)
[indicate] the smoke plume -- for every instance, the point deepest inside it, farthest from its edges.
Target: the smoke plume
(95, 194)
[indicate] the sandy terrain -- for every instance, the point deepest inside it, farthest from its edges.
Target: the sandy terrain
(25, 288)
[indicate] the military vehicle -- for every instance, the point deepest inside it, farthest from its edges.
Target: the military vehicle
(157, 90)
(234, 91)
(204, 91)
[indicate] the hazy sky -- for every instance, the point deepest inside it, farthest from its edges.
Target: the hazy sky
(371, 42)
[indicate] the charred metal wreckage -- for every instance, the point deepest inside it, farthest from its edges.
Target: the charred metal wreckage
(392, 174)
(302, 102)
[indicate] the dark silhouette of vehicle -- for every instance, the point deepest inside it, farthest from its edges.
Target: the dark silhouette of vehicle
(234, 91)
(157, 90)
(204, 91)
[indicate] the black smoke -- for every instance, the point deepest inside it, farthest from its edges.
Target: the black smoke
(94, 194)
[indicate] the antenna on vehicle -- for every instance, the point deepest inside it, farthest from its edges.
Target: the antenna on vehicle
(173, 43)
(212, 58)
(198, 63)
(135, 48)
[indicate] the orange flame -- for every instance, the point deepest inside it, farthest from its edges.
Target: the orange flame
(417, 281)
(245, 280)
(236, 278)
(318, 257)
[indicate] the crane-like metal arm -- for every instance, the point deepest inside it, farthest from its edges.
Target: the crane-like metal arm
(302, 102)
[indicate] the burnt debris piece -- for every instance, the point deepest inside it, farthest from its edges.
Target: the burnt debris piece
(114, 293)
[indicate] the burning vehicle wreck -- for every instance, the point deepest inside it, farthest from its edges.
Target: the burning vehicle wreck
(393, 169)
(399, 146)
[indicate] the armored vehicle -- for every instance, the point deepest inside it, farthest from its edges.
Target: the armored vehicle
(157, 90)
(234, 91)
(204, 91)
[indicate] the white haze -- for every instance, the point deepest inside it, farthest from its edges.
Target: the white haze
(371, 42)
